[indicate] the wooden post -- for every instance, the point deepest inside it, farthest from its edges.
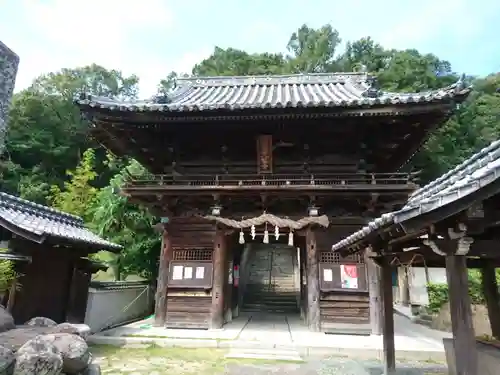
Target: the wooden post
(404, 286)
(217, 311)
(466, 358)
(162, 285)
(313, 295)
(388, 317)
(490, 290)
(374, 291)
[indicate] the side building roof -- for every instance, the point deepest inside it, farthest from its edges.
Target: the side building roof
(38, 223)
(473, 175)
(328, 90)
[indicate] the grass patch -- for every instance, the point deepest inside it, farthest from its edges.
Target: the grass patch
(166, 361)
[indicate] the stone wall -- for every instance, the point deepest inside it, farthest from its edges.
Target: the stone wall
(9, 63)
(480, 320)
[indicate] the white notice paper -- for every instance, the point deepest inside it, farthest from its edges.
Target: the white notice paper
(188, 272)
(327, 274)
(200, 272)
(177, 273)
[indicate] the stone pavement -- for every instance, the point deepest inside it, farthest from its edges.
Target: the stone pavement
(281, 337)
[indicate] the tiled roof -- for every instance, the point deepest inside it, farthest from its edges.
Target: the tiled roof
(473, 174)
(39, 222)
(303, 90)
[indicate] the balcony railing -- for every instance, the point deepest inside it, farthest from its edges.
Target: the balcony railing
(275, 180)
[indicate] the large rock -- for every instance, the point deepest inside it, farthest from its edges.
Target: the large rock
(74, 350)
(7, 360)
(93, 369)
(6, 320)
(40, 321)
(38, 356)
(81, 330)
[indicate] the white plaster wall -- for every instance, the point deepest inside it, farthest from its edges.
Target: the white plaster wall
(418, 282)
(110, 307)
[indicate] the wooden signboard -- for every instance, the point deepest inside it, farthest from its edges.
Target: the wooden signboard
(342, 277)
(183, 274)
(265, 154)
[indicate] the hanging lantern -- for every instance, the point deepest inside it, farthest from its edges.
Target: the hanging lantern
(252, 232)
(276, 232)
(266, 236)
(290, 238)
(242, 237)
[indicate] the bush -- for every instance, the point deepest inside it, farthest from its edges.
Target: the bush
(438, 293)
(7, 275)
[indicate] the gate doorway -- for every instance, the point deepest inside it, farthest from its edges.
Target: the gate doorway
(271, 279)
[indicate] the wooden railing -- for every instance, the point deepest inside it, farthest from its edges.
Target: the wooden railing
(276, 179)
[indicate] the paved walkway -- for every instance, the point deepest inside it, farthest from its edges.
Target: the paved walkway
(282, 333)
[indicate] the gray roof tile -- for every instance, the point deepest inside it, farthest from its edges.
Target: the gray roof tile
(303, 90)
(42, 222)
(473, 174)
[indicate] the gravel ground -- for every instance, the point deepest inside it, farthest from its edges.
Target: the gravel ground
(162, 361)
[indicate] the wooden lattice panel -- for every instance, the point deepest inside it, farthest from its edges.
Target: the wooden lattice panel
(335, 258)
(193, 255)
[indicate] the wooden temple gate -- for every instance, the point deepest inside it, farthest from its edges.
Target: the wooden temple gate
(297, 147)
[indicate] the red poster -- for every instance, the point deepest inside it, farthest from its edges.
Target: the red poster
(349, 276)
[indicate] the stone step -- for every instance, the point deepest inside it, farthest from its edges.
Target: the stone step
(265, 354)
(264, 308)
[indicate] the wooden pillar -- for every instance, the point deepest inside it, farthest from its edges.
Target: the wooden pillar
(388, 320)
(374, 291)
(490, 290)
(466, 358)
(162, 284)
(313, 294)
(219, 256)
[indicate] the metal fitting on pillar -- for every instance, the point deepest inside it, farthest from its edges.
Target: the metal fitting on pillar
(434, 247)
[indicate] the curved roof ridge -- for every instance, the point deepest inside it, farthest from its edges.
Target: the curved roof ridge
(21, 204)
(467, 167)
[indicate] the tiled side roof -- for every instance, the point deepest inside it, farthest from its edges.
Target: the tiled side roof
(473, 174)
(304, 90)
(22, 216)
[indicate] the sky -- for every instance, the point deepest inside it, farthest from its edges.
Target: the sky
(151, 38)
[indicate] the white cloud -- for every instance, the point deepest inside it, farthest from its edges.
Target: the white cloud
(55, 34)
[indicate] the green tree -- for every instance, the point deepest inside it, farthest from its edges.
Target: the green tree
(313, 50)
(78, 195)
(47, 135)
(130, 225)
(234, 62)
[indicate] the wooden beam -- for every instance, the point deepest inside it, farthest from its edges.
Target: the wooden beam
(490, 290)
(388, 316)
(219, 256)
(313, 293)
(374, 277)
(162, 283)
(466, 358)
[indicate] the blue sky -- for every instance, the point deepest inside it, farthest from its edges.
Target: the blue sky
(153, 37)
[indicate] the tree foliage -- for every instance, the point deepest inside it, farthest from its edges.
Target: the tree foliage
(78, 195)
(48, 137)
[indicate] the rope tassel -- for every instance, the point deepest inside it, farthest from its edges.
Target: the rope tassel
(252, 232)
(242, 238)
(266, 236)
(276, 232)
(290, 238)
